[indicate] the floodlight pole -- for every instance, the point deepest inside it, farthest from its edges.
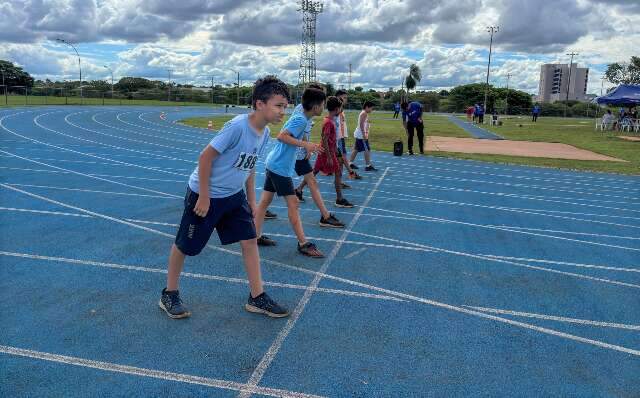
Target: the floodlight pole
(238, 90)
(491, 30)
(79, 66)
(111, 79)
(566, 104)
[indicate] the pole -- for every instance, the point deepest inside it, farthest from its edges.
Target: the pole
(506, 100)
(109, 69)
(566, 104)
(491, 30)
(238, 92)
(79, 65)
(6, 100)
(212, 90)
(169, 86)
(349, 77)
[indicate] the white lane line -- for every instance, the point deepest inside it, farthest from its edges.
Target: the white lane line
(537, 260)
(409, 297)
(485, 258)
(556, 318)
(520, 232)
(271, 353)
(57, 213)
(92, 191)
(565, 232)
(194, 275)
(152, 373)
(203, 141)
(89, 175)
(355, 253)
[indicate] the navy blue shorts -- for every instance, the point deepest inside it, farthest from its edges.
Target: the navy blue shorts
(362, 145)
(230, 216)
(281, 185)
(342, 146)
(303, 167)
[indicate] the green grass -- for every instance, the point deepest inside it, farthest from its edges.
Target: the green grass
(20, 100)
(383, 130)
(578, 132)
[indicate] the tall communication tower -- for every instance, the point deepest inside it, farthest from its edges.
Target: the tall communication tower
(310, 11)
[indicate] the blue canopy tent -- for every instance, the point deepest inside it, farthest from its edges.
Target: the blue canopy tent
(624, 94)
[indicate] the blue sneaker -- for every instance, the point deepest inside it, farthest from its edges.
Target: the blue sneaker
(263, 304)
(171, 303)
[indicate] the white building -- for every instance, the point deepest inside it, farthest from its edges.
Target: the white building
(554, 80)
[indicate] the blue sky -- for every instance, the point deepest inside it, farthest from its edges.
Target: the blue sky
(380, 38)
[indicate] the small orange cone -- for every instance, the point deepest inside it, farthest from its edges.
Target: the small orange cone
(210, 125)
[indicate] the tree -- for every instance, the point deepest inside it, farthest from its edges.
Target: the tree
(134, 84)
(329, 88)
(358, 89)
(14, 75)
(624, 73)
(443, 93)
(413, 78)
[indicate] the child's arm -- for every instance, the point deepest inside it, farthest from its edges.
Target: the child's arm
(206, 159)
(326, 130)
(285, 137)
(250, 188)
(361, 120)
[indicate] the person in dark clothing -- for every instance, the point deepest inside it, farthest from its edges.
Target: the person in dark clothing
(412, 120)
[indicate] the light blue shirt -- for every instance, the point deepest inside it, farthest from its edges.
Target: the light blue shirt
(301, 153)
(239, 146)
(282, 158)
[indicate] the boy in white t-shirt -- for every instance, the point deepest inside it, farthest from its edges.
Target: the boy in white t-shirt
(361, 134)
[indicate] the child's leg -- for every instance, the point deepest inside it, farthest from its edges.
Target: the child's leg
(367, 157)
(315, 194)
(294, 218)
(338, 184)
(354, 153)
(251, 259)
(176, 262)
(265, 201)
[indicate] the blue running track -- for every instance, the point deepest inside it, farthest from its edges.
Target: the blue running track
(474, 130)
(453, 278)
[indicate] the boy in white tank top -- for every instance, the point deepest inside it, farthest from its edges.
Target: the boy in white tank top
(361, 135)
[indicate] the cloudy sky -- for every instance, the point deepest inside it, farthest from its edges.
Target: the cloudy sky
(200, 39)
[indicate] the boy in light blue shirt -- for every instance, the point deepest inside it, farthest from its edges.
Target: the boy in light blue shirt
(281, 168)
(221, 195)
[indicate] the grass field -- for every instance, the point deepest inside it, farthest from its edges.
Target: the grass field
(578, 132)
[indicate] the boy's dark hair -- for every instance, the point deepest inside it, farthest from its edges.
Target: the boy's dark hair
(340, 92)
(266, 87)
(367, 104)
(316, 85)
(313, 96)
(404, 105)
(333, 103)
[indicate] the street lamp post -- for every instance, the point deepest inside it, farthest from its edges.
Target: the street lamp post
(491, 30)
(506, 99)
(238, 90)
(111, 80)
(566, 104)
(79, 65)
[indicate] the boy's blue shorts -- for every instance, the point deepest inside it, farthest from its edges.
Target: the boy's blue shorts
(362, 145)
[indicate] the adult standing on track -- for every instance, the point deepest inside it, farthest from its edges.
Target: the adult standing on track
(412, 120)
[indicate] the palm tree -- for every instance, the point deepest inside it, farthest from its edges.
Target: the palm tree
(414, 76)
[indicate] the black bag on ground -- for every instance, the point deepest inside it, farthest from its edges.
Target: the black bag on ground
(397, 148)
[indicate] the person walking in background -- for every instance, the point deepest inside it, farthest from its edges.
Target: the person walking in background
(470, 111)
(535, 113)
(396, 110)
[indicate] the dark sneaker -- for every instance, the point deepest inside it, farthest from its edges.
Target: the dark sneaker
(353, 166)
(171, 304)
(299, 195)
(310, 250)
(354, 176)
(331, 222)
(421, 152)
(345, 186)
(410, 152)
(343, 203)
(264, 304)
(264, 240)
(370, 168)
(269, 215)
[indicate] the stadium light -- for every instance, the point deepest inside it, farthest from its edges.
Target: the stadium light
(110, 70)
(491, 30)
(238, 91)
(79, 65)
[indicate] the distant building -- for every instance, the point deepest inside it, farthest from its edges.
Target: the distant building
(554, 79)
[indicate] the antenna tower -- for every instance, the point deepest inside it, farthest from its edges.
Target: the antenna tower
(310, 11)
